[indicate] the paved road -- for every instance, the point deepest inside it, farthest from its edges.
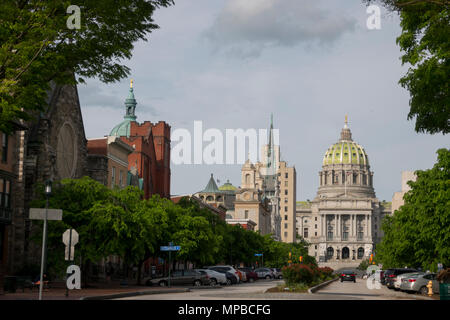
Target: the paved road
(334, 291)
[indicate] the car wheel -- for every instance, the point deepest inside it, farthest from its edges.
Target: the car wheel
(280, 277)
(197, 283)
(162, 283)
(229, 282)
(213, 282)
(424, 290)
(268, 277)
(251, 280)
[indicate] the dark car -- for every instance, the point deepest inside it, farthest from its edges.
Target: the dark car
(347, 275)
(390, 275)
(181, 277)
(251, 275)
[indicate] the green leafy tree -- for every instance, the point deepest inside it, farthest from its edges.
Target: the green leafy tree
(418, 233)
(426, 46)
(37, 47)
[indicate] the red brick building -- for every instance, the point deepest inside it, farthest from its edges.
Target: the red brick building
(151, 155)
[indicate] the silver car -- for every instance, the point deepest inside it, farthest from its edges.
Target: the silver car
(214, 276)
(418, 283)
(277, 273)
(400, 278)
(264, 273)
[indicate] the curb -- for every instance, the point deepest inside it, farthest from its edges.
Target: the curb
(133, 294)
(321, 285)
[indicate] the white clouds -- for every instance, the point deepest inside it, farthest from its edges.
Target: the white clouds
(246, 27)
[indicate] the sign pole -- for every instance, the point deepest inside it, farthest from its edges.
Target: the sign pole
(170, 265)
(44, 238)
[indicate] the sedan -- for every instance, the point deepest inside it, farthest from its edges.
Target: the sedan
(214, 276)
(277, 273)
(419, 282)
(181, 277)
(348, 275)
(249, 273)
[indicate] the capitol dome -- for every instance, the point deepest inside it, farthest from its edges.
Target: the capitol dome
(123, 128)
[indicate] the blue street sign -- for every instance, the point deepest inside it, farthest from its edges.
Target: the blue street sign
(170, 248)
(258, 254)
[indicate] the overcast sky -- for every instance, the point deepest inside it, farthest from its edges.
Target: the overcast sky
(231, 63)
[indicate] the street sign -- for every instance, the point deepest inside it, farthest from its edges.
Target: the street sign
(39, 214)
(440, 267)
(170, 248)
(258, 254)
(72, 238)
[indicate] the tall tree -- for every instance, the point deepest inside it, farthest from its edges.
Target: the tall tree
(418, 233)
(425, 42)
(38, 44)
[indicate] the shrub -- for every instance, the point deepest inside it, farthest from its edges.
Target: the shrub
(325, 272)
(299, 273)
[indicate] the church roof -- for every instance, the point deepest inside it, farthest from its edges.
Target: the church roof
(211, 186)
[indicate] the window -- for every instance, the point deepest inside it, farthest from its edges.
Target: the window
(121, 178)
(315, 247)
(285, 217)
(285, 234)
(315, 226)
(305, 233)
(285, 225)
(113, 176)
(285, 183)
(285, 192)
(330, 235)
(246, 214)
(286, 175)
(4, 147)
(285, 200)
(315, 234)
(315, 219)
(285, 209)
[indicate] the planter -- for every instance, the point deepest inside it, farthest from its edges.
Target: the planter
(444, 291)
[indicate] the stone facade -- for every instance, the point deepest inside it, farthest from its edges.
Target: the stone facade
(397, 199)
(342, 223)
(288, 196)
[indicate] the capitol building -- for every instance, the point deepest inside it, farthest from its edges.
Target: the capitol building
(342, 223)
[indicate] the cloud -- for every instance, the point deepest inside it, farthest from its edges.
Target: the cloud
(247, 27)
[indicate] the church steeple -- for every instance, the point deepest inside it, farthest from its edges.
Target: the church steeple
(130, 104)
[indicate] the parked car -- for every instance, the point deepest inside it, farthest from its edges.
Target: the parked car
(249, 273)
(347, 275)
(227, 269)
(242, 275)
(231, 278)
(277, 273)
(402, 276)
(390, 275)
(264, 273)
(181, 277)
(214, 276)
(418, 283)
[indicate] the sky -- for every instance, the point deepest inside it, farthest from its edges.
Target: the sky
(231, 63)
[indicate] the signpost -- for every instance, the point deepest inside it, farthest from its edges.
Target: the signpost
(44, 214)
(170, 248)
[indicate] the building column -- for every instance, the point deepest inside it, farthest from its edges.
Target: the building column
(370, 226)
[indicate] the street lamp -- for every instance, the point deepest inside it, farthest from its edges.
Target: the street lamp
(48, 192)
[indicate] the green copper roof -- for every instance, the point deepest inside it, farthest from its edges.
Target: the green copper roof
(227, 187)
(211, 186)
(123, 128)
(346, 152)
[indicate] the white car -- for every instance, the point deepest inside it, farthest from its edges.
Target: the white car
(214, 276)
(224, 269)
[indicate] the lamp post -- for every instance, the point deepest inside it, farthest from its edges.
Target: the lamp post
(48, 192)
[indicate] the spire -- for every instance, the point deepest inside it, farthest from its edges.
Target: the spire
(130, 104)
(211, 186)
(346, 134)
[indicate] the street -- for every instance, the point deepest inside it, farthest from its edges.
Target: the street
(255, 291)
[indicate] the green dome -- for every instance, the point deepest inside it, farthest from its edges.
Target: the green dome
(227, 187)
(346, 152)
(122, 129)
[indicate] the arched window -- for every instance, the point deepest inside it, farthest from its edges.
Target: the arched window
(209, 198)
(219, 198)
(247, 178)
(330, 252)
(360, 253)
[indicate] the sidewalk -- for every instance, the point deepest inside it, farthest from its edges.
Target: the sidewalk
(100, 292)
